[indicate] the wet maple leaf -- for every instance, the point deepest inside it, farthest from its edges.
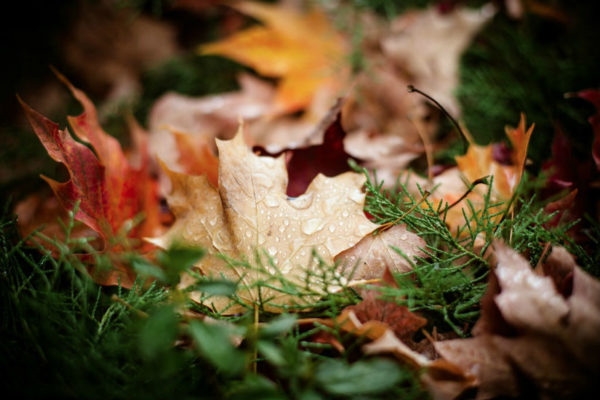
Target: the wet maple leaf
(109, 190)
(303, 50)
(250, 211)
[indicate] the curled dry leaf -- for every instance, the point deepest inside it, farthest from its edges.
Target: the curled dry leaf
(250, 212)
(393, 248)
(549, 349)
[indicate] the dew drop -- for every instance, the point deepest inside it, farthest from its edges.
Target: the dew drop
(261, 238)
(312, 225)
(248, 234)
(281, 228)
(357, 196)
(272, 251)
(286, 222)
(345, 214)
(271, 201)
(302, 202)
(331, 228)
(404, 236)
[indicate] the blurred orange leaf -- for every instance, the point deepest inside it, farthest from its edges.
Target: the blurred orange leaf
(302, 49)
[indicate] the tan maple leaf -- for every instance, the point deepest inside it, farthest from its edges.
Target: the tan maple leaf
(251, 212)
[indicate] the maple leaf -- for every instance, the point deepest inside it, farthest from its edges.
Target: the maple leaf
(529, 331)
(109, 190)
(250, 212)
(303, 50)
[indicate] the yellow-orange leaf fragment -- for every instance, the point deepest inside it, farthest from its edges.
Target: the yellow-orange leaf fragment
(302, 49)
(478, 162)
(251, 212)
(196, 157)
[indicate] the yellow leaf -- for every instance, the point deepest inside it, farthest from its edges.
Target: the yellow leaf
(303, 50)
(251, 212)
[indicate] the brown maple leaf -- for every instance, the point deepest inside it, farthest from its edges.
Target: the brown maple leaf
(531, 340)
(251, 212)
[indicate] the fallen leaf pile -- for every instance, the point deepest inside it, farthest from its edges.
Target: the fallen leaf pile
(276, 202)
(385, 124)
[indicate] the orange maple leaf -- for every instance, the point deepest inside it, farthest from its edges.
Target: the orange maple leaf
(303, 50)
(110, 191)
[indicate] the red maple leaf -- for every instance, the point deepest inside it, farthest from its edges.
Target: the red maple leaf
(328, 158)
(111, 192)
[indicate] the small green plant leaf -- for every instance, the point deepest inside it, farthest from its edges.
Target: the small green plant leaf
(213, 341)
(336, 377)
(158, 333)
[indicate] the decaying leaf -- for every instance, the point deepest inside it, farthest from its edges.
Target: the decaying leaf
(550, 347)
(400, 320)
(369, 258)
(303, 50)
(250, 212)
(110, 191)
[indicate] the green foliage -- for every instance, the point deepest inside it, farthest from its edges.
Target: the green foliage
(64, 336)
(449, 282)
(528, 66)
